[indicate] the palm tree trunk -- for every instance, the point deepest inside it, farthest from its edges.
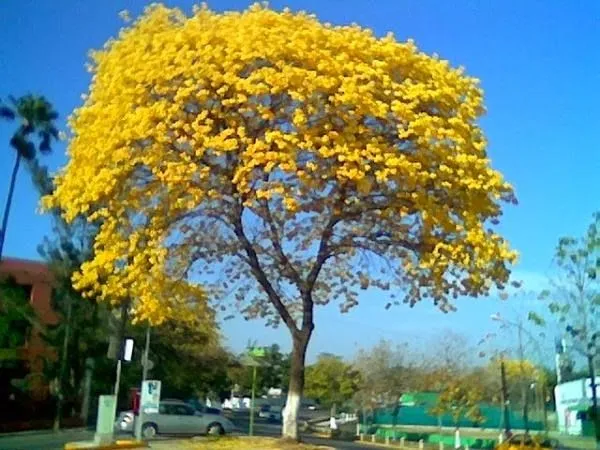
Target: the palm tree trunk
(11, 190)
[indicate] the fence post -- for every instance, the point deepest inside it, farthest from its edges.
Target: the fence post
(387, 440)
(357, 429)
(362, 436)
(402, 441)
(441, 445)
(420, 444)
(372, 438)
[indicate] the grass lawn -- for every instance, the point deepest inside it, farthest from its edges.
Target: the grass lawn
(236, 443)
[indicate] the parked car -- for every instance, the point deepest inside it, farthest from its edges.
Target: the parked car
(199, 406)
(270, 412)
(175, 417)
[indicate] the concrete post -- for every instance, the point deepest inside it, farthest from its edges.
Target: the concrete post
(402, 441)
(420, 444)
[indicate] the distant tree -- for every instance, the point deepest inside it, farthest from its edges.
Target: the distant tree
(331, 381)
(574, 295)
(460, 399)
(449, 356)
(273, 372)
(385, 374)
(36, 117)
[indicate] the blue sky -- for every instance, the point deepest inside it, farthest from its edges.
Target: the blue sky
(540, 69)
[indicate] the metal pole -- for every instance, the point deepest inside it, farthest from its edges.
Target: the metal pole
(251, 430)
(593, 385)
(140, 418)
(505, 398)
(121, 332)
(117, 379)
(524, 385)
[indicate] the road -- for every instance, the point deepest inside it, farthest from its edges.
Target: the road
(56, 441)
(43, 440)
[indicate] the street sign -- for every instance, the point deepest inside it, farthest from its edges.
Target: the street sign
(127, 351)
(150, 397)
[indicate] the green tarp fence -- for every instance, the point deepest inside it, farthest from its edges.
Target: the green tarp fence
(418, 415)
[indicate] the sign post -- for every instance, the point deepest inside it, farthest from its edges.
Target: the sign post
(147, 365)
(254, 354)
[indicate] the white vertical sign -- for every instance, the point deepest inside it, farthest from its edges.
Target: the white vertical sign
(150, 398)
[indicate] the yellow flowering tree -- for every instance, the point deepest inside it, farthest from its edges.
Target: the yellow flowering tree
(295, 161)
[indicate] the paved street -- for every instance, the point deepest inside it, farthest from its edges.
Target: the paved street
(43, 441)
(56, 441)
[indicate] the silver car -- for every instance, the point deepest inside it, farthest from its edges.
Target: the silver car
(175, 417)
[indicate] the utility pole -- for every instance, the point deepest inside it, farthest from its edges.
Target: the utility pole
(251, 430)
(121, 334)
(524, 385)
(594, 386)
(140, 418)
(505, 398)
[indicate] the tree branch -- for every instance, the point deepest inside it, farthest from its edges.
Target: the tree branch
(276, 241)
(258, 271)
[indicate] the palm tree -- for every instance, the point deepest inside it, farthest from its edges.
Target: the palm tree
(36, 116)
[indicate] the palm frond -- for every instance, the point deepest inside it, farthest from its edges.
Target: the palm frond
(7, 113)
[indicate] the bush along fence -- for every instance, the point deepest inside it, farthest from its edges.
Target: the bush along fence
(421, 440)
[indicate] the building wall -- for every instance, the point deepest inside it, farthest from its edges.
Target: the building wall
(571, 397)
(38, 277)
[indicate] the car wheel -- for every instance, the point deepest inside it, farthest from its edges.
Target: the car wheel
(149, 430)
(215, 429)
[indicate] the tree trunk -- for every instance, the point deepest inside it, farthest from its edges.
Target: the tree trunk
(63, 368)
(11, 191)
(296, 387)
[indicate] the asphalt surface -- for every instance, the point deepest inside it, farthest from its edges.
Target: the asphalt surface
(48, 440)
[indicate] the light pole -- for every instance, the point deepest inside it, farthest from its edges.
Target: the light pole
(505, 399)
(145, 367)
(524, 389)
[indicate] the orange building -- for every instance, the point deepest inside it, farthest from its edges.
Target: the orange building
(37, 280)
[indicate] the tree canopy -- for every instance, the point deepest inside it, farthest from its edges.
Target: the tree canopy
(331, 381)
(310, 132)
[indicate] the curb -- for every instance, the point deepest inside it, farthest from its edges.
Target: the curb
(115, 446)
(44, 431)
